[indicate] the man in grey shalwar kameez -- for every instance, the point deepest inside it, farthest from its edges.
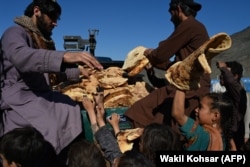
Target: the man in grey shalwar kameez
(28, 56)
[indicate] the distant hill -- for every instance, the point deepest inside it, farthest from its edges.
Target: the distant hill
(239, 51)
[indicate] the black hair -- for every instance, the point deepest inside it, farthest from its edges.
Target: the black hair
(85, 153)
(224, 105)
(134, 158)
(26, 146)
(236, 68)
(159, 137)
(185, 8)
(49, 7)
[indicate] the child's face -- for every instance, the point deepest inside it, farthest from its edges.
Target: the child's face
(5, 162)
(203, 112)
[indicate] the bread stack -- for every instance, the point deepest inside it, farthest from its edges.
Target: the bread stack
(117, 91)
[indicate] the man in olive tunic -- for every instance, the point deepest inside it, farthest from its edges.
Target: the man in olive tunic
(28, 56)
(189, 34)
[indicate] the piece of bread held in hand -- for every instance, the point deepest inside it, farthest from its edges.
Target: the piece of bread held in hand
(125, 138)
(135, 61)
(185, 75)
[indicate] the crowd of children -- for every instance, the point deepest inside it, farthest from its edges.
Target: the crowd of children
(212, 129)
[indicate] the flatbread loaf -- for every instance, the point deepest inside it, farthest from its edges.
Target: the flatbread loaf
(76, 92)
(185, 75)
(126, 137)
(217, 44)
(112, 82)
(120, 97)
(138, 68)
(135, 61)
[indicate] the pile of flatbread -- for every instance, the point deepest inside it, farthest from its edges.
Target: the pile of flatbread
(117, 91)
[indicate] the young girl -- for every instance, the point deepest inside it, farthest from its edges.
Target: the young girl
(212, 128)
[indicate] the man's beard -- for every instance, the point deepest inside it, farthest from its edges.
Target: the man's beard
(176, 21)
(43, 27)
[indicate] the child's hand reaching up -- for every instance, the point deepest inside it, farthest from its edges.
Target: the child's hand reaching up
(99, 97)
(88, 105)
(100, 112)
(90, 108)
(99, 100)
(114, 122)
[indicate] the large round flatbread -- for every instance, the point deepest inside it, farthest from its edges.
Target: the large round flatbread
(177, 76)
(185, 75)
(76, 92)
(119, 97)
(135, 61)
(112, 82)
(217, 44)
(138, 68)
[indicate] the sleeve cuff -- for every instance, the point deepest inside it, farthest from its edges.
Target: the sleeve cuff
(72, 73)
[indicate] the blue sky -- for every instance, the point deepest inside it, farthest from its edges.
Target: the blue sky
(126, 24)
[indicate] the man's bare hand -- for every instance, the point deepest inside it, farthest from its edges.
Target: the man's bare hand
(147, 52)
(84, 72)
(221, 64)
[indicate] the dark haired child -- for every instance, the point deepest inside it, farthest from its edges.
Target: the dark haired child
(26, 147)
(211, 130)
(230, 78)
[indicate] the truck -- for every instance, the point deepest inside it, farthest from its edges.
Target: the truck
(77, 43)
(109, 62)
